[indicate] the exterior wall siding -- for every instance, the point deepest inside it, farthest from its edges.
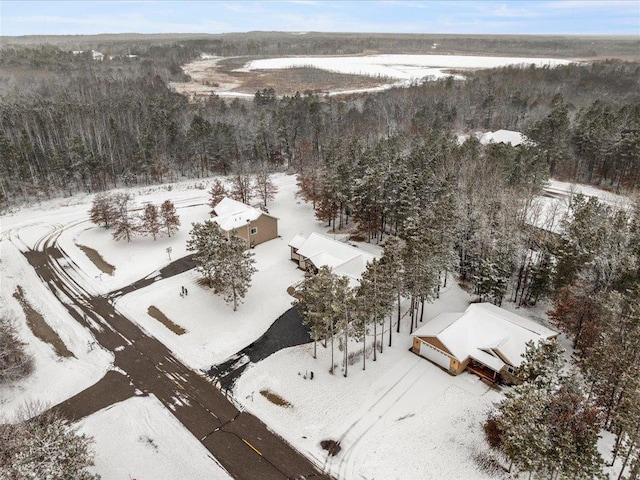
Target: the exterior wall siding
(267, 230)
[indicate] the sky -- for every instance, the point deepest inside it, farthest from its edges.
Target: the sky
(590, 17)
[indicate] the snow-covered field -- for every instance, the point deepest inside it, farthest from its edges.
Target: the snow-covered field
(404, 69)
(408, 68)
(148, 444)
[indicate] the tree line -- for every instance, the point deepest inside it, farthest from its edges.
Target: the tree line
(68, 123)
(428, 204)
(550, 424)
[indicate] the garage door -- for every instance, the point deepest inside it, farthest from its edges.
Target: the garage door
(436, 356)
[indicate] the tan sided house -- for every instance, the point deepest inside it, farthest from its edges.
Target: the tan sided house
(485, 339)
(251, 224)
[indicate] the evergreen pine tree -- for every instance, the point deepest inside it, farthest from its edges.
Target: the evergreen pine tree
(342, 308)
(375, 298)
(216, 193)
(223, 263)
(393, 268)
(314, 299)
(235, 264)
(45, 446)
(169, 219)
(204, 240)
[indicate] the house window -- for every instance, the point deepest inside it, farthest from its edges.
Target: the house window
(253, 230)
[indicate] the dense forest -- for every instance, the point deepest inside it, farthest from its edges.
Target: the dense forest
(69, 123)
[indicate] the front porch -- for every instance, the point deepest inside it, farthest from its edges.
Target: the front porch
(483, 371)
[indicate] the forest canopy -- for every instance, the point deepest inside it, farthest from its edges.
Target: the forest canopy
(69, 123)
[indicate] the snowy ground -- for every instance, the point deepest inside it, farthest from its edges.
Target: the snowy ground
(549, 211)
(54, 378)
(401, 403)
(150, 444)
(405, 68)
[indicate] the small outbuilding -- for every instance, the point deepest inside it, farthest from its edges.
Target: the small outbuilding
(251, 224)
(485, 339)
(315, 251)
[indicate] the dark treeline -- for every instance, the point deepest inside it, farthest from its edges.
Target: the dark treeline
(323, 43)
(69, 123)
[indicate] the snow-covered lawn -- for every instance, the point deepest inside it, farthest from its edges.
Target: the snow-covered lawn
(142, 256)
(147, 444)
(214, 330)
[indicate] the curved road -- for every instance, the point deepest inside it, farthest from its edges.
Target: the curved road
(240, 442)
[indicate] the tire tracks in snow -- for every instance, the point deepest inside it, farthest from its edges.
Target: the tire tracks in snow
(384, 405)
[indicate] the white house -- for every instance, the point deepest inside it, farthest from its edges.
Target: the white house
(485, 339)
(316, 251)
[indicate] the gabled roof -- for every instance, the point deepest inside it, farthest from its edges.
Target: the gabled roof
(297, 241)
(232, 214)
(341, 258)
(437, 325)
(489, 334)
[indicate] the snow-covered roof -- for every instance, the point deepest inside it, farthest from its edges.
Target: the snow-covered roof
(297, 241)
(489, 334)
(502, 136)
(488, 359)
(437, 325)
(343, 259)
(231, 214)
